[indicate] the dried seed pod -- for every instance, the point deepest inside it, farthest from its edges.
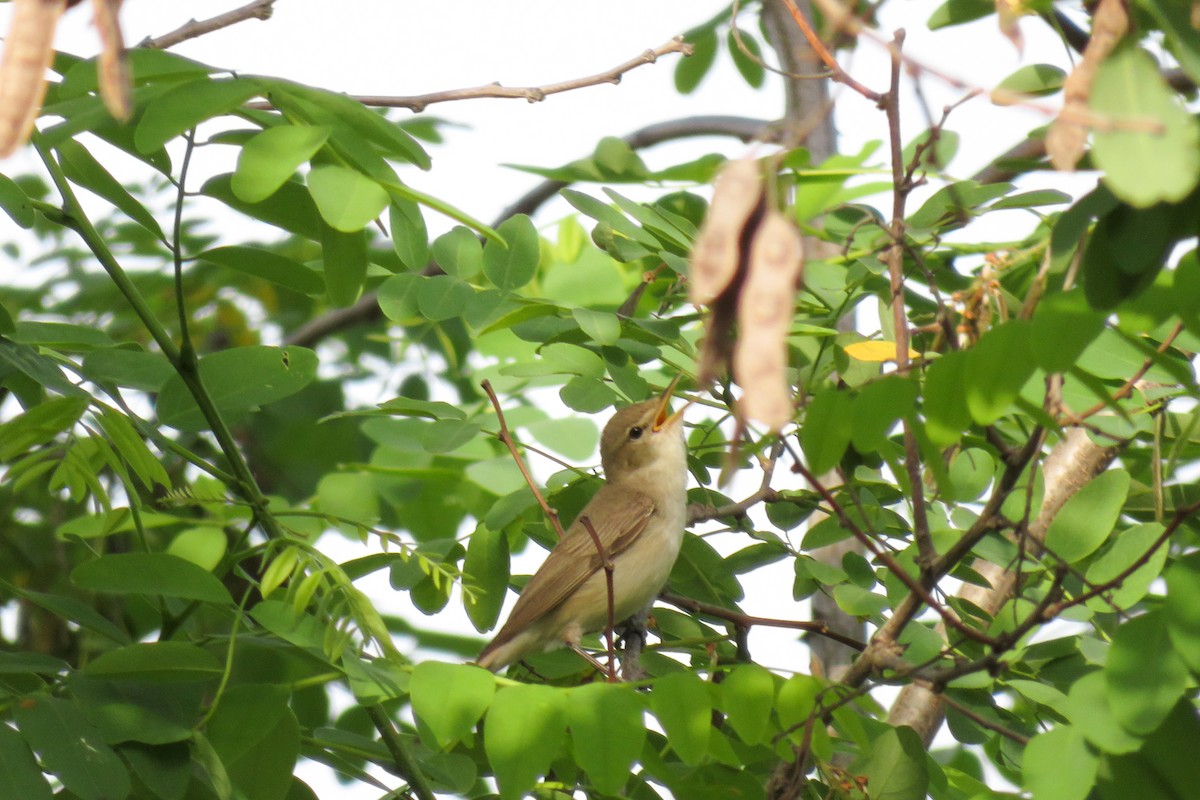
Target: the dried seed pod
(113, 69)
(715, 255)
(1067, 139)
(765, 311)
(28, 51)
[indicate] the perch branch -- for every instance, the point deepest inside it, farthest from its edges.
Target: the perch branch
(607, 563)
(505, 436)
(259, 9)
(534, 94)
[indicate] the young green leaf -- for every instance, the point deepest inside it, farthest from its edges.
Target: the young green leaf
(607, 732)
(270, 158)
(450, 698)
(524, 730)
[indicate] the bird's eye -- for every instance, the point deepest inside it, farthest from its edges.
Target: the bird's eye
(635, 432)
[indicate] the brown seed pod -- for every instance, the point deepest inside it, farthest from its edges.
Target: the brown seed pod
(715, 255)
(113, 69)
(765, 311)
(28, 51)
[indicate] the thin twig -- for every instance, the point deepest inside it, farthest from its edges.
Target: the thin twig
(533, 94)
(405, 764)
(607, 563)
(259, 9)
(1178, 519)
(888, 560)
(1129, 385)
(836, 72)
(984, 722)
(506, 437)
(748, 621)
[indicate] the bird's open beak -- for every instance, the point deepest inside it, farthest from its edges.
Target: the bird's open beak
(663, 418)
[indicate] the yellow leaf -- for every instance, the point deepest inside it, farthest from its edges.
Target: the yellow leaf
(876, 351)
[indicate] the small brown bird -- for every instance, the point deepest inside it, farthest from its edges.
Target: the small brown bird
(638, 515)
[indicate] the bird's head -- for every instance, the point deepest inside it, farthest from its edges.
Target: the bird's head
(644, 439)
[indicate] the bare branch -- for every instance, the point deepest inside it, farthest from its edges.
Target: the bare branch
(607, 563)
(746, 621)
(534, 94)
(506, 437)
(259, 9)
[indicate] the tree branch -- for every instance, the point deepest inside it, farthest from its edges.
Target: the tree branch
(366, 309)
(506, 437)
(746, 621)
(534, 94)
(259, 9)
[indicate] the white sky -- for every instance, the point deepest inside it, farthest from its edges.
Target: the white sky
(409, 47)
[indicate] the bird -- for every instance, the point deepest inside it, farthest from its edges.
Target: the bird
(639, 515)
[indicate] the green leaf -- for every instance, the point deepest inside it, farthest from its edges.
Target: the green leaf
(573, 437)
(683, 707)
(587, 395)
(204, 546)
(895, 766)
(445, 435)
(1064, 324)
(1128, 548)
(270, 158)
(748, 696)
(828, 425)
(84, 170)
(1143, 167)
(1058, 765)
(345, 262)
(269, 266)
(1086, 520)
(291, 207)
(1088, 710)
(71, 749)
(134, 368)
(345, 198)
(509, 268)
(16, 203)
(749, 61)
(957, 12)
(1036, 80)
(20, 774)
(165, 769)
(1145, 676)
(238, 380)
(691, 70)
(41, 369)
(450, 698)
(359, 121)
(39, 425)
(1182, 608)
(175, 662)
(945, 401)
(997, 367)
(150, 573)
(486, 572)
(410, 238)
(442, 297)
(970, 473)
(187, 105)
(602, 326)
(877, 408)
(459, 253)
(524, 730)
(75, 611)
(257, 738)
(398, 296)
(607, 732)
(128, 443)
(1183, 38)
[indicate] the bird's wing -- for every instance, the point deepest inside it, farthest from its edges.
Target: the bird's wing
(575, 558)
